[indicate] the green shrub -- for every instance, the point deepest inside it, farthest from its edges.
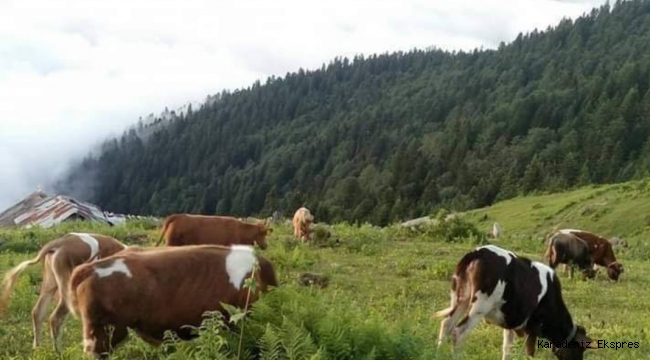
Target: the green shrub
(453, 229)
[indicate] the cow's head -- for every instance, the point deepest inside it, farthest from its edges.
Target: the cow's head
(576, 349)
(260, 234)
(614, 270)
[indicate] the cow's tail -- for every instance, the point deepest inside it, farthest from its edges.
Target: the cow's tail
(550, 248)
(456, 296)
(79, 274)
(459, 285)
(164, 230)
(445, 312)
(12, 275)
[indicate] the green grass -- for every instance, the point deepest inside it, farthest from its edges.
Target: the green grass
(384, 286)
(612, 210)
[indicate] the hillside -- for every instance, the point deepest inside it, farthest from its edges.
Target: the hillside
(621, 210)
(385, 283)
(396, 136)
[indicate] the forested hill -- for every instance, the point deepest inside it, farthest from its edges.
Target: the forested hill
(398, 135)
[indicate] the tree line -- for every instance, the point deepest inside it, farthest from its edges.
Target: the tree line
(400, 135)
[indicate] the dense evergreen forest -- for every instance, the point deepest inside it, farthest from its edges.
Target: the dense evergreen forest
(395, 136)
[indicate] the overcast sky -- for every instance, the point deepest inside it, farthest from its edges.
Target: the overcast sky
(72, 72)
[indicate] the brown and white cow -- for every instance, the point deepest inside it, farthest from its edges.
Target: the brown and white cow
(521, 296)
(302, 221)
(187, 229)
(155, 290)
(59, 256)
(602, 253)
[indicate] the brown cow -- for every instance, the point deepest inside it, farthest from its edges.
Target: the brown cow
(187, 229)
(302, 221)
(601, 251)
(570, 250)
(60, 257)
(161, 289)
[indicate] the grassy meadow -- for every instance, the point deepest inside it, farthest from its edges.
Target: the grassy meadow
(384, 286)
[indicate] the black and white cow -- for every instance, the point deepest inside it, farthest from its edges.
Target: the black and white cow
(521, 296)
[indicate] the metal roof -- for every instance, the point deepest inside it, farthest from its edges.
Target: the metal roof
(7, 216)
(50, 211)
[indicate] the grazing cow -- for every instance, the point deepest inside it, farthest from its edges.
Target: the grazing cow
(570, 250)
(496, 230)
(302, 221)
(601, 251)
(160, 289)
(514, 293)
(186, 229)
(59, 257)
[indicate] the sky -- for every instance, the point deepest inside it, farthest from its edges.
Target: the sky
(75, 72)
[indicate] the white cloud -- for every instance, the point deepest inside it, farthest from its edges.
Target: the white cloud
(72, 72)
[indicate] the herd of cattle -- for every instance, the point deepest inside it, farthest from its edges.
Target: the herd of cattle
(113, 287)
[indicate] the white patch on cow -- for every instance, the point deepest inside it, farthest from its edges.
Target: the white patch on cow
(239, 262)
(499, 251)
(544, 272)
(569, 231)
(492, 304)
(484, 307)
(91, 241)
(118, 266)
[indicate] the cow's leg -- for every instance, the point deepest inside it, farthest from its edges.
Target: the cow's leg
(303, 235)
(48, 290)
(530, 344)
(481, 306)
(56, 322)
(508, 338)
(564, 269)
(296, 228)
(62, 275)
(571, 271)
(447, 324)
(118, 336)
(476, 313)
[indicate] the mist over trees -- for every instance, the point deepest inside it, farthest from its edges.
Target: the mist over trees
(399, 135)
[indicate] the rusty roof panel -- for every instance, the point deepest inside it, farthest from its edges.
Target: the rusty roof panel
(56, 209)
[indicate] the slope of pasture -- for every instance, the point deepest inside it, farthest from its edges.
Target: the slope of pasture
(384, 286)
(621, 210)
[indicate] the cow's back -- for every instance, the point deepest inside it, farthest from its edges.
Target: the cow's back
(78, 248)
(600, 249)
(166, 288)
(185, 229)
